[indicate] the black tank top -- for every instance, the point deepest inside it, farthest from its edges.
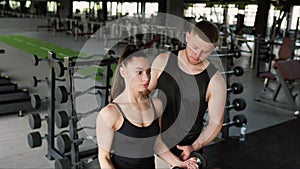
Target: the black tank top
(133, 146)
(183, 96)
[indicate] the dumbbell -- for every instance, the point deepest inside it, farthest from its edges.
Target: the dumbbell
(62, 94)
(36, 101)
(85, 156)
(238, 120)
(34, 139)
(235, 88)
(62, 119)
(237, 104)
(35, 81)
(200, 160)
(63, 163)
(64, 142)
(237, 71)
(35, 120)
(57, 64)
(235, 54)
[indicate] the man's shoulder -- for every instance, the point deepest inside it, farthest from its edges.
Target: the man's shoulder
(161, 59)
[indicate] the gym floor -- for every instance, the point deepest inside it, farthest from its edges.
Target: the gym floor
(14, 150)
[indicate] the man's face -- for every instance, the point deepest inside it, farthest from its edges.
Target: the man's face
(197, 49)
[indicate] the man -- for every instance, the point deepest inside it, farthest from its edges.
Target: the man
(189, 85)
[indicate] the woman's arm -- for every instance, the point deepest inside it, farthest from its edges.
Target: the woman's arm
(162, 151)
(106, 121)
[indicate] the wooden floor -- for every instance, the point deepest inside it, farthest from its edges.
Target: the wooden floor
(14, 150)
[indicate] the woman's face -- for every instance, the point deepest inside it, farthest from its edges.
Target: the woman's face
(137, 74)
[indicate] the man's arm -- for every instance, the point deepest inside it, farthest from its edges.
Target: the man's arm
(157, 66)
(216, 96)
(216, 103)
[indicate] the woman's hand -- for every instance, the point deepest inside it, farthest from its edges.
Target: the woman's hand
(187, 164)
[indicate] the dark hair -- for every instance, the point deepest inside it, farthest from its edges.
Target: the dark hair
(207, 31)
(127, 54)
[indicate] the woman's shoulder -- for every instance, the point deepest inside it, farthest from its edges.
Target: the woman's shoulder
(110, 112)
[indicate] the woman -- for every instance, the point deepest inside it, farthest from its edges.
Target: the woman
(128, 127)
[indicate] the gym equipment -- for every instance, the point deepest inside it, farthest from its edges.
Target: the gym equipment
(5, 80)
(83, 62)
(237, 104)
(64, 142)
(235, 88)
(35, 120)
(62, 118)
(35, 81)
(56, 63)
(8, 87)
(200, 160)
(13, 95)
(65, 162)
(288, 74)
(62, 93)
(237, 71)
(17, 105)
(235, 54)
(36, 101)
(34, 139)
(238, 120)
(62, 163)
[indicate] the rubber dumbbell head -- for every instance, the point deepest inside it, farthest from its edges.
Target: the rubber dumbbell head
(35, 120)
(36, 60)
(237, 54)
(200, 159)
(239, 104)
(63, 163)
(62, 94)
(236, 88)
(63, 143)
(36, 101)
(238, 71)
(61, 119)
(34, 139)
(239, 120)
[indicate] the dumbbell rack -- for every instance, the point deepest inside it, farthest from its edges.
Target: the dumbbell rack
(75, 160)
(34, 138)
(52, 152)
(225, 129)
(63, 70)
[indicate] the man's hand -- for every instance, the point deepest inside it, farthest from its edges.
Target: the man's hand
(186, 151)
